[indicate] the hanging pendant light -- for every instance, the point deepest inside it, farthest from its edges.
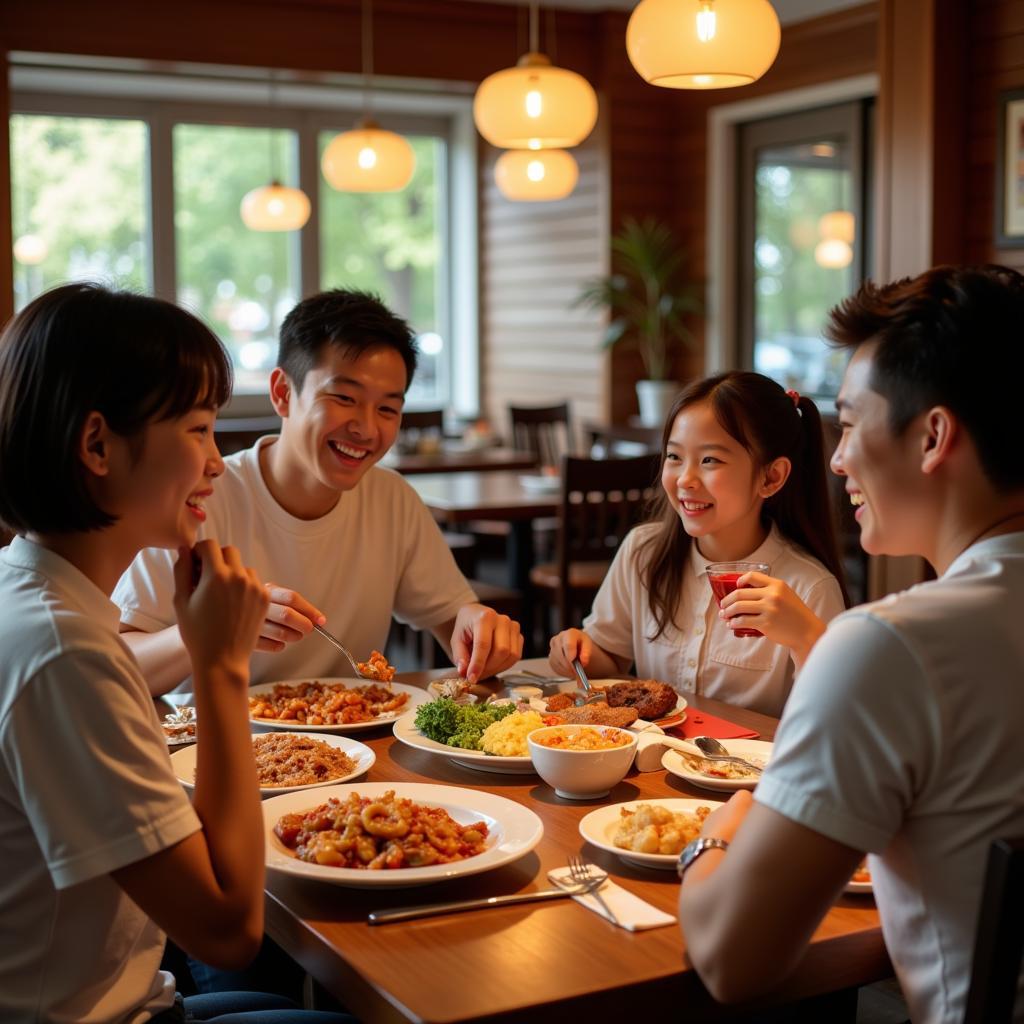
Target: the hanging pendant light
(527, 176)
(535, 105)
(30, 249)
(835, 250)
(274, 207)
(702, 44)
(368, 158)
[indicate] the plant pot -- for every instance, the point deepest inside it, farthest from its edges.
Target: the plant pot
(655, 398)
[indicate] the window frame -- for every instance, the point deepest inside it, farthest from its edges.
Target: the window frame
(305, 105)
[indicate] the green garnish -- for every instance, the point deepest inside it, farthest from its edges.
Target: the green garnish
(458, 725)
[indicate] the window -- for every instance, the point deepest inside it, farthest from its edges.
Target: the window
(802, 217)
(144, 193)
(79, 202)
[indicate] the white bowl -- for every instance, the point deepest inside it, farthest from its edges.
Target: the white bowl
(581, 774)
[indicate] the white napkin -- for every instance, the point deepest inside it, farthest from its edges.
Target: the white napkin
(649, 750)
(631, 912)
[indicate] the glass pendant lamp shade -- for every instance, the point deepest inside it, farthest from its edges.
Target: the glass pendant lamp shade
(833, 253)
(275, 207)
(702, 44)
(31, 249)
(527, 176)
(368, 159)
(535, 105)
(837, 224)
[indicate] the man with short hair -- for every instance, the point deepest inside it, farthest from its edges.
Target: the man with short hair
(347, 543)
(901, 737)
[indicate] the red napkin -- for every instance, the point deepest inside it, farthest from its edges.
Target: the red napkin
(700, 723)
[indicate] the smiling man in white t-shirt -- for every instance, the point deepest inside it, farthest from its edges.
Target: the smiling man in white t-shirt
(341, 541)
(878, 751)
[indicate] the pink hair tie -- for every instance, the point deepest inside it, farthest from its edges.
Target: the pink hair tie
(795, 395)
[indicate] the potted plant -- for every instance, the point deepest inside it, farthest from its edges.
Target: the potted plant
(647, 299)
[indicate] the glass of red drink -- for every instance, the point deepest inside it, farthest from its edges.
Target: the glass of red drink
(724, 579)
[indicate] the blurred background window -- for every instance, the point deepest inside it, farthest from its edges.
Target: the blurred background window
(79, 197)
(241, 282)
(145, 193)
(802, 223)
(390, 243)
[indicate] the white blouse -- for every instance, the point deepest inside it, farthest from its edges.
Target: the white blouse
(698, 653)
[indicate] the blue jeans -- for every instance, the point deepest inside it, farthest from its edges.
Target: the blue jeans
(245, 1008)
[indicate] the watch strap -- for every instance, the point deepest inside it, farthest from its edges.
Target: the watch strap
(695, 848)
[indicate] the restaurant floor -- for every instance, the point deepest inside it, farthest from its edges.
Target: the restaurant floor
(882, 1004)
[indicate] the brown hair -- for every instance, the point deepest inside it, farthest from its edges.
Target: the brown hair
(82, 348)
(763, 418)
(950, 336)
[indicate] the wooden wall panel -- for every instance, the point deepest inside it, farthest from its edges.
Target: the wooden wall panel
(996, 63)
(536, 348)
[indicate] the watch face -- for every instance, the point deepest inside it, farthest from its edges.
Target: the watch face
(694, 848)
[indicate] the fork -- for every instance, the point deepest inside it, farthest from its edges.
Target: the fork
(592, 695)
(589, 883)
(341, 647)
(581, 873)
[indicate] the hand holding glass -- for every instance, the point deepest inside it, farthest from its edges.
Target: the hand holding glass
(724, 578)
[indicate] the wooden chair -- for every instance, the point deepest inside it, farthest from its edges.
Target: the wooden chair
(602, 500)
(544, 430)
(999, 944)
(423, 419)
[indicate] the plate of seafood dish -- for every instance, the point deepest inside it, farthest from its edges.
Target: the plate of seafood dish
(290, 761)
(394, 835)
(647, 833)
(720, 775)
(492, 737)
(331, 704)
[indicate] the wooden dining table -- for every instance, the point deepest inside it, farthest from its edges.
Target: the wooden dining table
(455, 498)
(538, 962)
(460, 460)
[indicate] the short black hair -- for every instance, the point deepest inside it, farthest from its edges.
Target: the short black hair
(82, 348)
(355, 322)
(952, 336)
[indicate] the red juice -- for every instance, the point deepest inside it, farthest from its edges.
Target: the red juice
(725, 583)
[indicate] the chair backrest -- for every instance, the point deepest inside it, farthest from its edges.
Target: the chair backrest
(422, 419)
(544, 430)
(999, 944)
(602, 500)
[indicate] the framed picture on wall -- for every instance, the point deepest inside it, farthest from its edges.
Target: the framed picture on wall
(1009, 227)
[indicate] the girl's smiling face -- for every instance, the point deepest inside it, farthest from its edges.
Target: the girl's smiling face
(714, 486)
(161, 486)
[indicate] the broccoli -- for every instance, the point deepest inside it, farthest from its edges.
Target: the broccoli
(458, 725)
(438, 719)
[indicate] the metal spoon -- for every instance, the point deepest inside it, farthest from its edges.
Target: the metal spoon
(714, 751)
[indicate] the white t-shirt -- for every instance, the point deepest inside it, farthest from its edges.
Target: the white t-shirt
(86, 787)
(699, 653)
(378, 552)
(902, 737)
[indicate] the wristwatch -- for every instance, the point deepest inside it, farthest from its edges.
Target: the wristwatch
(694, 848)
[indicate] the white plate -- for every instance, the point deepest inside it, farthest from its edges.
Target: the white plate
(514, 830)
(541, 484)
(672, 760)
(858, 888)
(184, 764)
(417, 696)
(405, 731)
(598, 828)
